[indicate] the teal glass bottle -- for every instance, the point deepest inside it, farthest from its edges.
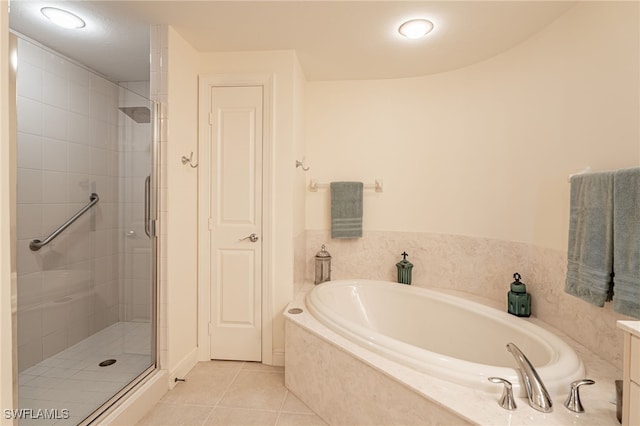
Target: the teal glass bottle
(519, 301)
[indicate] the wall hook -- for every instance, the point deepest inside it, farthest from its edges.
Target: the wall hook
(301, 164)
(189, 161)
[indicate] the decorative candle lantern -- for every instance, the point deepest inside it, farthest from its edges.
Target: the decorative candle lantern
(404, 269)
(519, 301)
(323, 266)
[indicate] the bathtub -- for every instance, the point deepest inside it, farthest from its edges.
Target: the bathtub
(445, 336)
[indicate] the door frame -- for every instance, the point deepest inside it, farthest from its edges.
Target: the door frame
(205, 82)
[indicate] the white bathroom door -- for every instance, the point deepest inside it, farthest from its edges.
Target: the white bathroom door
(236, 120)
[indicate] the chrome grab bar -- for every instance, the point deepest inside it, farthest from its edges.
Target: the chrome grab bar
(36, 245)
(147, 205)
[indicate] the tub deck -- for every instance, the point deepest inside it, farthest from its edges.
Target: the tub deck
(346, 384)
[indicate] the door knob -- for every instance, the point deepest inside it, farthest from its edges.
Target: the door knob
(253, 238)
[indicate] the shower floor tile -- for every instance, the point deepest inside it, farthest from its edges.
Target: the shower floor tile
(72, 380)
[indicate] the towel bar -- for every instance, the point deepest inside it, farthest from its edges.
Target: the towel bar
(314, 185)
(585, 170)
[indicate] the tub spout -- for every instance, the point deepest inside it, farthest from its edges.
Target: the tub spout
(537, 394)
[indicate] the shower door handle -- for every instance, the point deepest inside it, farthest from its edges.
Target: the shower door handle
(147, 206)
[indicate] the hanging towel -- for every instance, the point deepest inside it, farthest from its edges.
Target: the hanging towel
(590, 251)
(346, 209)
(626, 241)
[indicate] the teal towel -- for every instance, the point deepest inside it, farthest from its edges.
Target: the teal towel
(626, 241)
(590, 250)
(346, 209)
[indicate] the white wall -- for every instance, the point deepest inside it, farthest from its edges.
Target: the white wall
(485, 150)
(180, 205)
(475, 163)
(179, 234)
(299, 188)
(7, 222)
(299, 148)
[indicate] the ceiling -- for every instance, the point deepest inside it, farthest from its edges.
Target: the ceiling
(334, 40)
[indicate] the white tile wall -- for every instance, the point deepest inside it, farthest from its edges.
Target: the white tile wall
(72, 141)
(134, 166)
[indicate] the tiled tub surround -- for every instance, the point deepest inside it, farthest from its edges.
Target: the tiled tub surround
(477, 266)
(442, 335)
(346, 384)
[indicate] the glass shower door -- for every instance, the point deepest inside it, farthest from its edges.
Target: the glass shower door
(86, 251)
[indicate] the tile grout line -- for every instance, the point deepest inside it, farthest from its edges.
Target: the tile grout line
(279, 412)
(213, 408)
(284, 400)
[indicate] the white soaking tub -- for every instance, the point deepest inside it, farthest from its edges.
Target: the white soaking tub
(447, 337)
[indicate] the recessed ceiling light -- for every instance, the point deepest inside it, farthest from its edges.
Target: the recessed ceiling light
(416, 28)
(63, 18)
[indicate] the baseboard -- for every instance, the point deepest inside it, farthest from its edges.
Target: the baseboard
(183, 367)
(278, 358)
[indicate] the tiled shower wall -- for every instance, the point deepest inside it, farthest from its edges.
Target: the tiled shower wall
(135, 165)
(70, 137)
(480, 266)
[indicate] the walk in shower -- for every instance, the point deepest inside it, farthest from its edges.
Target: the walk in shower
(85, 240)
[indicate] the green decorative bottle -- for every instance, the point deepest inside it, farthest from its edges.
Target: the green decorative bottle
(519, 300)
(404, 270)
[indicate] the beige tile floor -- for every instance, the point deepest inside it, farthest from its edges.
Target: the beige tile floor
(232, 393)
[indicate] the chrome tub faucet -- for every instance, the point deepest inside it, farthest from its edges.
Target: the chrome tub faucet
(537, 394)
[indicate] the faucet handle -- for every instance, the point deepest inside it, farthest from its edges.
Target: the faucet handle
(506, 400)
(573, 400)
